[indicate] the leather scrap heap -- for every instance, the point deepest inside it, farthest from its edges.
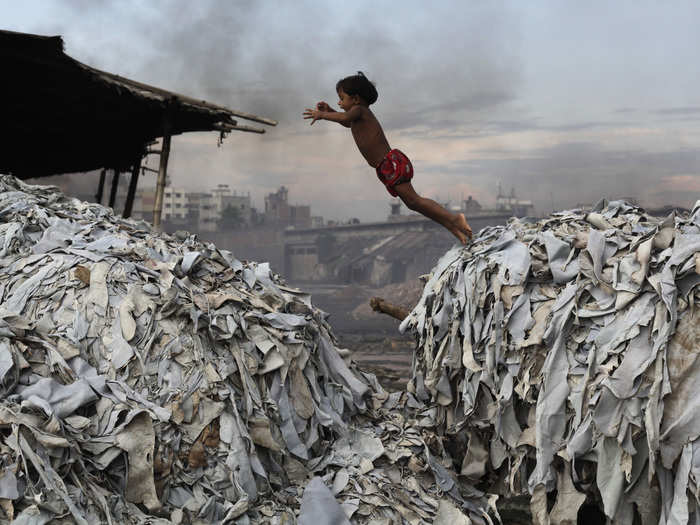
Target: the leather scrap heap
(149, 378)
(118, 340)
(563, 355)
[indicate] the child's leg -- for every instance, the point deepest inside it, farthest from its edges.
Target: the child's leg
(454, 222)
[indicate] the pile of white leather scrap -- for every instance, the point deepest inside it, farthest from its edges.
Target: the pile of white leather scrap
(147, 378)
(141, 373)
(562, 355)
(390, 469)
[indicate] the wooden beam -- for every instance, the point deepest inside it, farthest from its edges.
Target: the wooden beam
(380, 305)
(238, 127)
(135, 172)
(101, 186)
(162, 174)
(165, 95)
(113, 190)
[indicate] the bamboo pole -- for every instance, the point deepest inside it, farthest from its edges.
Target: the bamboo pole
(135, 172)
(113, 190)
(101, 186)
(162, 174)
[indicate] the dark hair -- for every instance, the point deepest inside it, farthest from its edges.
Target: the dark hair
(358, 85)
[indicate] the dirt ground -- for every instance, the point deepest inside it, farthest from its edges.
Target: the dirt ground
(374, 338)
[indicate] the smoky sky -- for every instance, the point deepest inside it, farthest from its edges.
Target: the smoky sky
(560, 100)
(275, 58)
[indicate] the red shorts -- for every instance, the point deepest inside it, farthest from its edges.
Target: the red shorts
(394, 169)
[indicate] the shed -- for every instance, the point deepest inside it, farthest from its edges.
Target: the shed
(62, 116)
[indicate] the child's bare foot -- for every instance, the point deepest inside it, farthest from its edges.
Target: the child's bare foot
(461, 229)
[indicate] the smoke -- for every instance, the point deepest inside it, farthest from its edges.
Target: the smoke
(275, 58)
(544, 100)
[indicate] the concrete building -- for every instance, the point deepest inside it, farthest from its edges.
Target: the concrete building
(300, 216)
(471, 206)
(208, 220)
(279, 212)
(143, 204)
(396, 213)
(194, 211)
(242, 205)
(405, 246)
(277, 207)
(375, 253)
(513, 205)
(219, 195)
(174, 204)
(194, 205)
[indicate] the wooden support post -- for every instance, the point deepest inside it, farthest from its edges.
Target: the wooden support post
(162, 174)
(135, 172)
(101, 186)
(113, 191)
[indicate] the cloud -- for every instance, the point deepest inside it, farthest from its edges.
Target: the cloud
(678, 114)
(544, 99)
(446, 115)
(679, 111)
(570, 173)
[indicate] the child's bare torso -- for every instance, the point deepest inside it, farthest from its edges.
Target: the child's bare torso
(369, 137)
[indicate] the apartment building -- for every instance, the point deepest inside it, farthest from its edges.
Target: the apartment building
(174, 204)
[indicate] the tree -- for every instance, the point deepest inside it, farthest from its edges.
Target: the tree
(230, 218)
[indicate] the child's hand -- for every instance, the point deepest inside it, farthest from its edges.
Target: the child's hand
(313, 114)
(323, 106)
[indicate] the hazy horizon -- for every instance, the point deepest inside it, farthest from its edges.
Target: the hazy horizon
(564, 102)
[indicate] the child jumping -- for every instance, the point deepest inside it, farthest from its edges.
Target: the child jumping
(393, 168)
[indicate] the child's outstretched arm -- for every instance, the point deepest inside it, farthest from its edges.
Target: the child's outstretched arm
(324, 106)
(345, 118)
